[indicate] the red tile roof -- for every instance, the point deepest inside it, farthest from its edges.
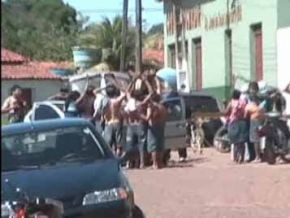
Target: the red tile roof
(153, 55)
(15, 66)
(8, 56)
(56, 65)
(31, 70)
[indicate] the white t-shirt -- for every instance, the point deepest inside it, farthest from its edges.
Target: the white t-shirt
(131, 105)
(97, 103)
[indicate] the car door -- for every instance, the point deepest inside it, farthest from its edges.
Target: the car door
(175, 125)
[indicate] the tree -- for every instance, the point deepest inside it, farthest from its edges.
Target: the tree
(156, 29)
(108, 35)
(39, 29)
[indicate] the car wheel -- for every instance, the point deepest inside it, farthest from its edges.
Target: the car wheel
(221, 141)
(270, 155)
(137, 213)
(286, 155)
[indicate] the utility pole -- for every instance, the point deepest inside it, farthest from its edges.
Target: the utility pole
(176, 34)
(138, 55)
(124, 35)
(229, 37)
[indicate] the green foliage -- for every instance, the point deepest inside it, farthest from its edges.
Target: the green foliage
(108, 36)
(156, 29)
(39, 29)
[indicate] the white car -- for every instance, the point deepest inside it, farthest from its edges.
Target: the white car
(45, 110)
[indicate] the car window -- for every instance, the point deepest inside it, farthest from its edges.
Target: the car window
(174, 109)
(45, 148)
(43, 112)
(200, 104)
(60, 106)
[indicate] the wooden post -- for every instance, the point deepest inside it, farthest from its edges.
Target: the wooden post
(139, 36)
(124, 35)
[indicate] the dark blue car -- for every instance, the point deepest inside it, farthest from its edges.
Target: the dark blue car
(65, 160)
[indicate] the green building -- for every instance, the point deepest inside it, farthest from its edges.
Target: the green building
(225, 39)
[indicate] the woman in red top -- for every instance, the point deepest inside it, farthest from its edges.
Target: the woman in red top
(237, 125)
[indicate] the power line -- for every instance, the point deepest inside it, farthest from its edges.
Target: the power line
(118, 10)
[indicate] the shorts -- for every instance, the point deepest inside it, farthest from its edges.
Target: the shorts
(113, 134)
(155, 138)
(254, 127)
(238, 132)
(99, 127)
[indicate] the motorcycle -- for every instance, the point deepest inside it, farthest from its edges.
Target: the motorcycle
(275, 138)
(26, 207)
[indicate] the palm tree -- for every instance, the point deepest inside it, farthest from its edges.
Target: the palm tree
(107, 35)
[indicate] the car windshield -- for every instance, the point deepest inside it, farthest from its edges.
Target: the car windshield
(200, 104)
(45, 148)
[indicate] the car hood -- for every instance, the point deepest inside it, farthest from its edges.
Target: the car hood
(62, 181)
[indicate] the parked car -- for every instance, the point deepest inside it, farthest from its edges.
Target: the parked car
(68, 161)
(43, 110)
(180, 106)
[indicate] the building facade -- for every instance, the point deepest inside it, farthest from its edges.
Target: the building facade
(226, 39)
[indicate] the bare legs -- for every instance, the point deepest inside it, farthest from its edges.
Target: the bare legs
(157, 158)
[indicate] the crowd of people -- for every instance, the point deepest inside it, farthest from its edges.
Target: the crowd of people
(138, 108)
(245, 114)
(112, 108)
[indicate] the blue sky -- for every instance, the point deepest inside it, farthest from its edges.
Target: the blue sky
(109, 8)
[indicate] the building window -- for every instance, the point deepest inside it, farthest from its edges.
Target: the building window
(228, 56)
(257, 52)
(172, 56)
(197, 63)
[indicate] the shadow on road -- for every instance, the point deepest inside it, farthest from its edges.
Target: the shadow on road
(187, 163)
(138, 213)
(199, 160)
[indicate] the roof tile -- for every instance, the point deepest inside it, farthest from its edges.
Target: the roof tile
(8, 56)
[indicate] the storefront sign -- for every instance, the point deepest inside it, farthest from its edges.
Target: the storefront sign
(194, 18)
(221, 20)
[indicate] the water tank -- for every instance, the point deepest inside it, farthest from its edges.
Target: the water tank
(85, 58)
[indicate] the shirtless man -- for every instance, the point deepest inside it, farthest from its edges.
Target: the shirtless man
(113, 117)
(15, 106)
(85, 103)
(156, 117)
(136, 132)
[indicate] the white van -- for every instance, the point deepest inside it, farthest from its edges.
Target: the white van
(97, 79)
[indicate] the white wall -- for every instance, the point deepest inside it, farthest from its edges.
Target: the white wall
(283, 54)
(41, 89)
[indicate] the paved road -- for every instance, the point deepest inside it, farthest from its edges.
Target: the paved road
(210, 186)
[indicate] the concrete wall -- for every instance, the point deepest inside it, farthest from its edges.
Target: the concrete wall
(283, 13)
(215, 78)
(283, 54)
(41, 89)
